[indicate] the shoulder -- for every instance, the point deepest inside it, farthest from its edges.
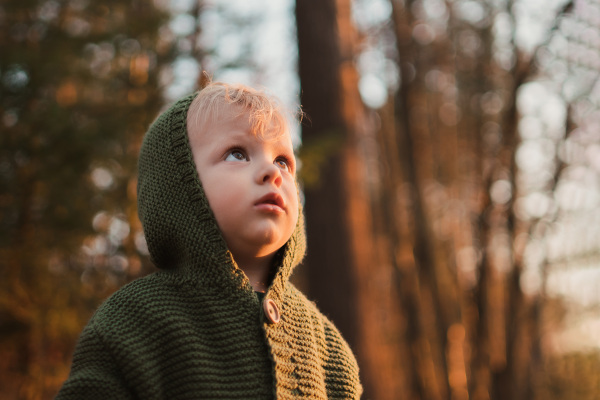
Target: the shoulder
(157, 287)
(133, 295)
(144, 321)
(141, 304)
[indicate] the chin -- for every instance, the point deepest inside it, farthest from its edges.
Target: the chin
(269, 248)
(267, 241)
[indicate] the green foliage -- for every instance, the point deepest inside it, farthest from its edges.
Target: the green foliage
(79, 84)
(315, 152)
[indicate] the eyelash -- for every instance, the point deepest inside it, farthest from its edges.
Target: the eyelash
(236, 150)
(287, 162)
(285, 159)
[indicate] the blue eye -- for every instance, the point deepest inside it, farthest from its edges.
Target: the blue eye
(282, 163)
(236, 155)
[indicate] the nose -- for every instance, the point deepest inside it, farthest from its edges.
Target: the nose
(270, 173)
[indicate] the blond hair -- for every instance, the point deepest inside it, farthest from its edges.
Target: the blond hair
(267, 117)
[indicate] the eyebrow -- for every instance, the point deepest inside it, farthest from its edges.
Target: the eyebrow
(288, 150)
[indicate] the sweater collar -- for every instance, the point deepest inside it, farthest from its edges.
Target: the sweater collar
(179, 226)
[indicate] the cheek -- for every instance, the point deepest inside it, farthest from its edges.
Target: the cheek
(294, 220)
(293, 208)
(218, 198)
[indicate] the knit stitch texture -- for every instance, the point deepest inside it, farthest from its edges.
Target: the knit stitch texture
(196, 329)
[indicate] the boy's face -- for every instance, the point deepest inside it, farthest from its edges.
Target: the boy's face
(250, 185)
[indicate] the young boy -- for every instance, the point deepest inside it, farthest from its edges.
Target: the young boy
(218, 201)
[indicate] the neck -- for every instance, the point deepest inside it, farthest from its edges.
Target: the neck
(257, 270)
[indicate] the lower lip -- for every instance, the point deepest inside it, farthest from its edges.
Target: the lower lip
(268, 207)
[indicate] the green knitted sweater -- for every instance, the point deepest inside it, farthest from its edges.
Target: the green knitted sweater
(196, 329)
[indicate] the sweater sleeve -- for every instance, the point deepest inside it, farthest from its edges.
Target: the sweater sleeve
(94, 374)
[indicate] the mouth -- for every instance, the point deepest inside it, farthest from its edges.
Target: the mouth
(271, 200)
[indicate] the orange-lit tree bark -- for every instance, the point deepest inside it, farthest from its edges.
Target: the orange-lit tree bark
(329, 261)
(341, 262)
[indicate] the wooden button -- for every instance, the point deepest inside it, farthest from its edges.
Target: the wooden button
(271, 311)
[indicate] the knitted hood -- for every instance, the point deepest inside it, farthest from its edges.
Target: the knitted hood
(179, 226)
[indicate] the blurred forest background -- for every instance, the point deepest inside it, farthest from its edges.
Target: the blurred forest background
(451, 171)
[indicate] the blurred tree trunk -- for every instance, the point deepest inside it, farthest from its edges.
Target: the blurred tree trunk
(449, 146)
(341, 262)
(434, 260)
(426, 291)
